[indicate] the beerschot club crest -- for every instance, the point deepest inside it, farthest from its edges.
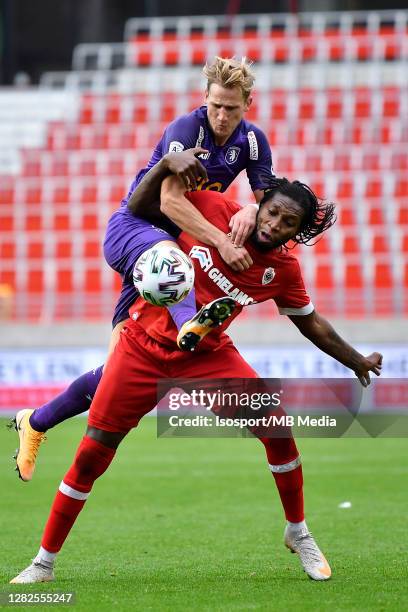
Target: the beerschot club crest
(231, 155)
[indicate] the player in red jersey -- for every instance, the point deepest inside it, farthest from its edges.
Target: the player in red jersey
(147, 352)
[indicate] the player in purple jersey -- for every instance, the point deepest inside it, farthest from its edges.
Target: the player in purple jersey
(225, 144)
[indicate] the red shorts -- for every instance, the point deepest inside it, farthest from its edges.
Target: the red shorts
(128, 388)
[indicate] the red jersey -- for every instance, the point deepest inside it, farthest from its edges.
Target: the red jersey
(275, 274)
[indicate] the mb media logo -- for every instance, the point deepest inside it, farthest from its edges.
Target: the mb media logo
(203, 255)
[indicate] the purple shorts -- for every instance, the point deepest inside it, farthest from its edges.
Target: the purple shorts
(126, 238)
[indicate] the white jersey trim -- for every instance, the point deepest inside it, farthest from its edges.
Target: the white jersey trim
(64, 488)
(305, 310)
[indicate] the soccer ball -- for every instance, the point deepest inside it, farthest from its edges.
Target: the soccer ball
(163, 275)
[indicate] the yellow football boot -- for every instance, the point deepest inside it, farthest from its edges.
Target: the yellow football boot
(30, 441)
(209, 316)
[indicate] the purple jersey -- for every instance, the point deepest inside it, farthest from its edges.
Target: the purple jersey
(247, 148)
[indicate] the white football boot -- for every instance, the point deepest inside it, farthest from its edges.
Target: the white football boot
(311, 557)
(36, 572)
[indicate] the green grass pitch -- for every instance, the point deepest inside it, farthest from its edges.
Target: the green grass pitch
(196, 524)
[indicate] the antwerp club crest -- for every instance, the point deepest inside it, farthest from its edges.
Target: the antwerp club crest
(231, 155)
(268, 276)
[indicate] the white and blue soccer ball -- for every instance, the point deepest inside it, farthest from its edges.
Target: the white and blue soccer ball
(163, 275)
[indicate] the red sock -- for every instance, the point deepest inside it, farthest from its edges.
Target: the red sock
(284, 463)
(91, 461)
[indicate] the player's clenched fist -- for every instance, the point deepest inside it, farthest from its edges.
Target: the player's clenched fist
(187, 167)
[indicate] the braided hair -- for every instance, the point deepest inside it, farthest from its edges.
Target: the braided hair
(318, 216)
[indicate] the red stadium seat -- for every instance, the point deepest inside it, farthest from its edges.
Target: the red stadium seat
(307, 106)
(353, 277)
(89, 193)
(33, 222)
(351, 244)
(391, 103)
(7, 250)
(92, 280)
(62, 222)
(404, 243)
(380, 244)
(401, 187)
(362, 103)
(90, 221)
(8, 277)
(353, 290)
(334, 103)
(92, 249)
(324, 277)
(383, 276)
(35, 280)
(345, 188)
(63, 249)
(402, 218)
(61, 194)
(342, 161)
(6, 192)
(87, 167)
(35, 250)
(383, 284)
(346, 214)
(376, 216)
(373, 188)
(64, 280)
(113, 109)
(314, 162)
(371, 161)
(6, 221)
(59, 166)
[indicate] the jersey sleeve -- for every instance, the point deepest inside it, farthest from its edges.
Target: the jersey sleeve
(259, 168)
(212, 204)
(294, 300)
(181, 134)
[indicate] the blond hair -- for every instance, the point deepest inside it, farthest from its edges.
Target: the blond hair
(230, 72)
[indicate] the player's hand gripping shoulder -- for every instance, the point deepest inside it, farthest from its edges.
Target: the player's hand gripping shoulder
(187, 167)
(236, 257)
(243, 223)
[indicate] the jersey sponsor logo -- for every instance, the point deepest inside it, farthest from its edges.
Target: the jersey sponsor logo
(231, 155)
(253, 145)
(206, 186)
(204, 257)
(200, 138)
(176, 146)
(268, 276)
(158, 229)
(205, 260)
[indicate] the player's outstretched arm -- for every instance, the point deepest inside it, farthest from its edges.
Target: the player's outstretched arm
(186, 216)
(183, 164)
(319, 331)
